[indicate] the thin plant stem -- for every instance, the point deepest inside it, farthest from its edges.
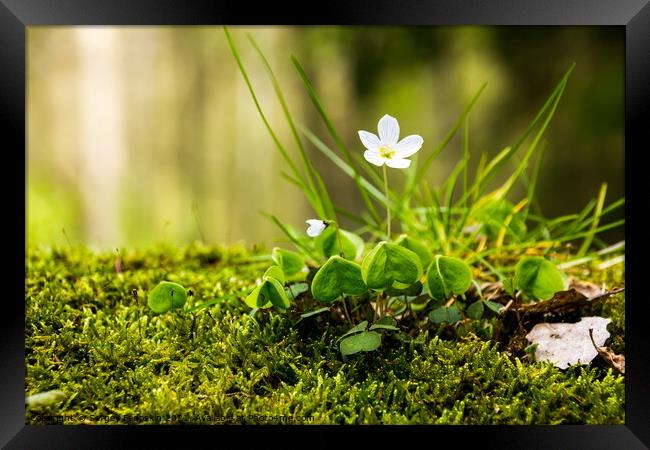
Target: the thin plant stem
(387, 202)
(410, 310)
(347, 313)
(355, 309)
(376, 308)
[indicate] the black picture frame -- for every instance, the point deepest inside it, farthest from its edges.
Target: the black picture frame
(16, 15)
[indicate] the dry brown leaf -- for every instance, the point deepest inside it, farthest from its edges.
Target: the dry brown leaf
(566, 344)
(566, 301)
(586, 288)
(614, 360)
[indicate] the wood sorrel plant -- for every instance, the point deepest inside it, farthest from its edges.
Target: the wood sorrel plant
(451, 236)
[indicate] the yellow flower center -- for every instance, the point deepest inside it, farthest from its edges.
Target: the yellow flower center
(387, 152)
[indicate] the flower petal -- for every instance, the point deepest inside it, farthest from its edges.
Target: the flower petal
(408, 146)
(369, 140)
(388, 130)
(316, 227)
(398, 163)
(373, 157)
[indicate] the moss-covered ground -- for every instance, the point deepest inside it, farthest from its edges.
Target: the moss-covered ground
(90, 334)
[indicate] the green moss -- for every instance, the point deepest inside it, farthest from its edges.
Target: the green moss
(90, 336)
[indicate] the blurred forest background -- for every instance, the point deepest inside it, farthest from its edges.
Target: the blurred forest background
(141, 135)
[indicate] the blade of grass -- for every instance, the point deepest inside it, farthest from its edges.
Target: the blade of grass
(311, 197)
(588, 221)
(591, 232)
(337, 139)
(365, 184)
(594, 255)
(573, 227)
(491, 170)
(290, 179)
(439, 219)
(465, 155)
(599, 208)
(476, 256)
(350, 215)
(499, 161)
(506, 223)
(309, 170)
(449, 186)
(521, 167)
(421, 170)
(290, 235)
(532, 185)
(326, 201)
(480, 168)
(552, 102)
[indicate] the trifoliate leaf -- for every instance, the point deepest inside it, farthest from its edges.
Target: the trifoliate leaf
(270, 292)
(389, 265)
(337, 277)
(366, 341)
(475, 310)
(274, 272)
(328, 243)
(448, 314)
(447, 276)
(538, 278)
(165, 296)
(290, 262)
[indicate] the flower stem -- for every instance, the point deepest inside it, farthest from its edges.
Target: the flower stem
(387, 202)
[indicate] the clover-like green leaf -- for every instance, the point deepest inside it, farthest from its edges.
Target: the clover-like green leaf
(270, 292)
(366, 341)
(449, 314)
(290, 262)
(390, 265)
(386, 323)
(387, 320)
(538, 278)
(295, 290)
(361, 326)
(274, 272)
(416, 247)
(328, 243)
(448, 275)
(165, 296)
(255, 301)
(475, 310)
(337, 277)
(494, 306)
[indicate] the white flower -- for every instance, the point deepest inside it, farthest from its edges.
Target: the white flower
(385, 148)
(316, 227)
